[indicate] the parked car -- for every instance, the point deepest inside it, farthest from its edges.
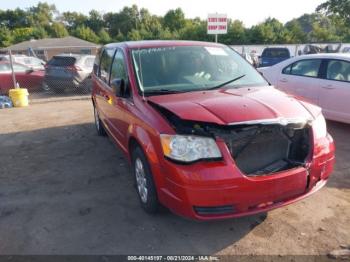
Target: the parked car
(30, 61)
(322, 79)
(273, 55)
(205, 134)
(346, 49)
(69, 71)
(319, 48)
(25, 76)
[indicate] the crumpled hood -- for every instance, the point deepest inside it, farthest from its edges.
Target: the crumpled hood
(229, 106)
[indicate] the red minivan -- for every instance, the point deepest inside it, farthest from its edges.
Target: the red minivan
(205, 134)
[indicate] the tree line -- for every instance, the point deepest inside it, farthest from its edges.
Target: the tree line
(329, 23)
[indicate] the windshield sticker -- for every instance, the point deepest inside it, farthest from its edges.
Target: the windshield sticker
(216, 51)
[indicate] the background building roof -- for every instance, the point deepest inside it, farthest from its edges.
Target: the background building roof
(49, 43)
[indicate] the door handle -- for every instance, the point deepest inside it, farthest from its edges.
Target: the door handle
(283, 80)
(328, 87)
(107, 98)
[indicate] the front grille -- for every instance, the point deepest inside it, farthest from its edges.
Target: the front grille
(266, 149)
(218, 210)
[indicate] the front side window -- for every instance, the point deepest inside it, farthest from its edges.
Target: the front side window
(105, 65)
(19, 68)
(192, 68)
(308, 68)
(118, 67)
(36, 61)
(338, 70)
(4, 68)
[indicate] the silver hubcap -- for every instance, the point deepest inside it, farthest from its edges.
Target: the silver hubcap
(97, 120)
(141, 180)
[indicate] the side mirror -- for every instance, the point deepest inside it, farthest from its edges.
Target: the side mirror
(119, 87)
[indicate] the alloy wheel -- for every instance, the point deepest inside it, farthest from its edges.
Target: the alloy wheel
(141, 180)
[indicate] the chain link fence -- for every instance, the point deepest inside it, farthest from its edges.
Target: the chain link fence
(69, 74)
(61, 75)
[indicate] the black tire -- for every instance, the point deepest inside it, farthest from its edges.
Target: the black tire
(98, 124)
(86, 86)
(45, 87)
(58, 90)
(150, 204)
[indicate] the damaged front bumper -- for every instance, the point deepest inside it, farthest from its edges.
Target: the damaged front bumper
(219, 189)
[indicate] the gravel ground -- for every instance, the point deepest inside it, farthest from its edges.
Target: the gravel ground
(64, 190)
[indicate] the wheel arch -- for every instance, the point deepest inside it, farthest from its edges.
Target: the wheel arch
(138, 136)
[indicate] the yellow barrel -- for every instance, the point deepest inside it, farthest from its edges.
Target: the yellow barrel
(19, 97)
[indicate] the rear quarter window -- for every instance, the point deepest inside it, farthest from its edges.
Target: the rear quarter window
(89, 62)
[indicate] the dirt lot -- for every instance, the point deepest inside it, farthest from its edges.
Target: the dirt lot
(64, 190)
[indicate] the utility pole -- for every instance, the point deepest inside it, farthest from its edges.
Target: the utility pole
(12, 71)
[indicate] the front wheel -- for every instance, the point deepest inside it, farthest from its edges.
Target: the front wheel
(98, 124)
(144, 182)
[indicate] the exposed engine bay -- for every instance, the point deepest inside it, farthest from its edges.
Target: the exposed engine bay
(257, 149)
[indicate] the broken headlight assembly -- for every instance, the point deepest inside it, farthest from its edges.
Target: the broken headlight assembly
(319, 127)
(189, 148)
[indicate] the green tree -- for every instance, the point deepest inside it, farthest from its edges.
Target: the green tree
(195, 29)
(236, 34)
(120, 37)
(12, 19)
(174, 19)
(22, 34)
(95, 21)
(58, 30)
(86, 33)
(271, 31)
(134, 35)
(72, 20)
(296, 32)
(40, 32)
(165, 34)
(324, 30)
(6, 37)
(124, 21)
(104, 36)
(336, 7)
(42, 14)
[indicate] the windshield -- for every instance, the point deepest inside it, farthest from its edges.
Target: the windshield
(276, 53)
(192, 68)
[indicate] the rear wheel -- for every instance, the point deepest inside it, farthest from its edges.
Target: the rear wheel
(45, 87)
(98, 124)
(144, 182)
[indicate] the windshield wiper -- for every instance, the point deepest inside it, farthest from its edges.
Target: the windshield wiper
(226, 83)
(163, 92)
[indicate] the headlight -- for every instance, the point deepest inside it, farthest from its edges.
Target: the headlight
(189, 148)
(319, 127)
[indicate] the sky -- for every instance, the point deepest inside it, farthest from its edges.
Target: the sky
(250, 12)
